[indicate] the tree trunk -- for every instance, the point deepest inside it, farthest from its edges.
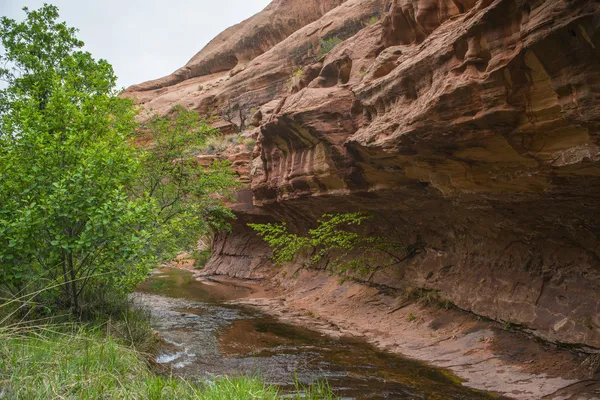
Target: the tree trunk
(66, 278)
(75, 295)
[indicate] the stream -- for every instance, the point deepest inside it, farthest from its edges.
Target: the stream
(207, 335)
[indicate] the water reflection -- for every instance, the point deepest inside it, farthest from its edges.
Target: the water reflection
(207, 337)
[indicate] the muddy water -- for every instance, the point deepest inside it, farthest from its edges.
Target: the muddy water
(207, 336)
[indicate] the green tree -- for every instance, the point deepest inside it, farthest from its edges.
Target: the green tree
(66, 217)
(80, 206)
(189, 197)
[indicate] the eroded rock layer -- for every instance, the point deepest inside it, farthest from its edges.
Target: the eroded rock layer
(470, 129)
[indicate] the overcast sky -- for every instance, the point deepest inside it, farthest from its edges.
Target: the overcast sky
(144, 39)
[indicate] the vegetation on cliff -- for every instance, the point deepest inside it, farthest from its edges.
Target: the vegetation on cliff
(337, 241)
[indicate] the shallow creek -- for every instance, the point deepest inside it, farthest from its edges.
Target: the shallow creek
(207, 335)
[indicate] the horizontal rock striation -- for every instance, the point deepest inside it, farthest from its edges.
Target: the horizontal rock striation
(470, 129)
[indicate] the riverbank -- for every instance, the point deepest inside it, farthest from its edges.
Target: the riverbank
(484, 354)
(208, 332)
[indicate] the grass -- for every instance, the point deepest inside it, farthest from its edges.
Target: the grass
(249, 143)
(84, 364)
(87, 366)
(218, 144)
(427, 297)
(54, 364)
(40, 359)
(320, 390)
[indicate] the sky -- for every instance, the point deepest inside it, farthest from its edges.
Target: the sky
(144, 39)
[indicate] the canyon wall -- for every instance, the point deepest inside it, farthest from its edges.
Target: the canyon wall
(469, 129)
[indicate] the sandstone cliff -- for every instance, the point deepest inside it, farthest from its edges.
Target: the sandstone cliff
(470, 128)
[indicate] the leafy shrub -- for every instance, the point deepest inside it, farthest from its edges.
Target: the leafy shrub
(200, 258)
(349, 250)
(372, 20)
(218, 144)
(294, 78)
(81, 208)
(215, 145)
(249, 143)
(297, 74)
(427, 297)
(66, 164)
(326, 45)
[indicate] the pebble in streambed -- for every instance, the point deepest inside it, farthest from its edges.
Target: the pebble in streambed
(206, 337)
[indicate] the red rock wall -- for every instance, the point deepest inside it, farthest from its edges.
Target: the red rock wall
(470, 128)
